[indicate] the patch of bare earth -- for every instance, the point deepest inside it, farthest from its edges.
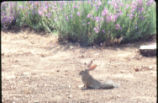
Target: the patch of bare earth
(36, 69)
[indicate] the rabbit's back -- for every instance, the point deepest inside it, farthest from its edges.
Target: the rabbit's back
(89, 81)
(109, 85)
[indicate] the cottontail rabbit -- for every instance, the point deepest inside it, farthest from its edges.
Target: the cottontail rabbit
(91, 83)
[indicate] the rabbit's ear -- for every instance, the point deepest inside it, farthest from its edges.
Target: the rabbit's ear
(90, 63)
(92, 67)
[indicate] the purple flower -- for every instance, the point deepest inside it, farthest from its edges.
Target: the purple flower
(109, 2)
(141, 17)
(78, 13)
(21, 6)
(111, 17)
(40, 12)
(7, 19)
(140, 10)
(99, 3)
(117, 27)
(49, 15)
(97, 19)
(75, 6)
(103, 31)
(96, 7)
(101, 18)
(108, 19)
(131, 16)
(137, 6)
(140, 2)
(127, 6)
(149, 2)
(120, 13)
(89, 1)
(133, 6)
(46, 6)
(61, 3)
(114, 18)
(96, 29)
(105, 12)
(89, 15)
(67, 18)
(71, 16)
(115, 5)
(34, 11)
(121, 4)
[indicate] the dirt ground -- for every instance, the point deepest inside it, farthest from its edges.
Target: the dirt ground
(37, 69)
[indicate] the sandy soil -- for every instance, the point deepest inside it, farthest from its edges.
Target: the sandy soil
(37, 69)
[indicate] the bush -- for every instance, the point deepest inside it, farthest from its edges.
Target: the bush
(88, 22)
(32, 14)
(106, 21)
(7, 15)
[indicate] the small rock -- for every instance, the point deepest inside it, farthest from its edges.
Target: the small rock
(71, 47)
(123, 71)
(8, 76)
(150, 67)
(58, 71)
(69, 86)
(42, 55)
(136, 69)
(96, 54)
(26, 74)
(148, 50)
(80, 86)
(2, 54)
(144, 68)
(81, 56)
(70, 96)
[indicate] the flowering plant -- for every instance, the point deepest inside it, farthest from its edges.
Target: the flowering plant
(87, 22)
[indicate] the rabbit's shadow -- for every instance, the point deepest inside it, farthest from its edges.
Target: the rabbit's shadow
(84, 88)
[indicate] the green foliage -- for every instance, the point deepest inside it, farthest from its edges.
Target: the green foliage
(88, 22)
(136, 21)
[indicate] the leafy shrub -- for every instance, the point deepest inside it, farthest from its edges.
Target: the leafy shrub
(7, 15)
(88, 22)
(32, 14)
(104, 20)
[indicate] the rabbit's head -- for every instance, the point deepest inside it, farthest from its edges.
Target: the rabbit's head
(83, 72)
(90, 67)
